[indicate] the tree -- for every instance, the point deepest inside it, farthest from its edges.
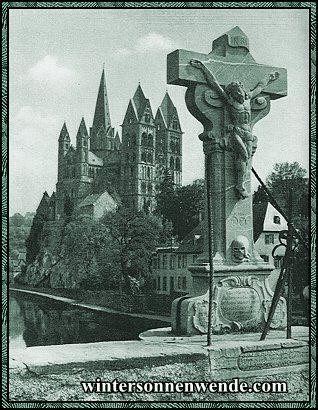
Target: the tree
(290, 176)
(136, 236)
(88, 253)
(166, 199)
(182, 206)
(285, 177)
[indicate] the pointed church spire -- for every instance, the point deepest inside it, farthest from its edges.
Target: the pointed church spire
(64, 135)
(82, 130)
(140, 101)
(169, 113)
(102, 116)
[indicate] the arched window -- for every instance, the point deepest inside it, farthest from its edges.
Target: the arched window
(150, 157)
(177, 148)
(144, 139)
(148, 172)
(143, 187)
(133, 139)
(149, 188)
(178, 165)
(150, 140)
(143, 157)
(171, 163)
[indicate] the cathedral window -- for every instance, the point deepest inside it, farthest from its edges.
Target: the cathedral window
(164, 283)
(147, 118)
(172, 146)
(158, 127)
(149, 188)
(148, 172)
(143, 157)
(178, 165)
(171, 163)
(131, 171)
(143, 187)
(177, 149)
(144, 139)
(127, 157)
(150, 157)
(66, 146)
(133, 139)
(130, 121)
(134, 157)
(175, 124)
(150, 140)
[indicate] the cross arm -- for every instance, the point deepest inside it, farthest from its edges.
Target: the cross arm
(180, 72)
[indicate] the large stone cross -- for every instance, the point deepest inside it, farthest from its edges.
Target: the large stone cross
(228, 92)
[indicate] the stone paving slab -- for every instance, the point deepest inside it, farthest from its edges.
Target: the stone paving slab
(100, 351)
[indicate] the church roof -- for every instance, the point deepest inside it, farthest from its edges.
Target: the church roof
(94, 159)
(140, 102)
(82, 130)
(169, 111)
(64, 135)
(102, 115)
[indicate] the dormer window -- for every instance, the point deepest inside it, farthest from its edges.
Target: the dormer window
(276, 220)
(130, 121)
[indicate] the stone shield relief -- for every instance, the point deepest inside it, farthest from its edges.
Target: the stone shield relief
(239, 304)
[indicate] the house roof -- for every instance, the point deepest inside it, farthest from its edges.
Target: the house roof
(259, 212)
(90, 200)
(193, 242)
(264, 219)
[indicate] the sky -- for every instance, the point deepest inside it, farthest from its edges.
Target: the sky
(56, 57)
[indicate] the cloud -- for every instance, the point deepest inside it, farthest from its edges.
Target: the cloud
(31, 117)
(153, 42)
(150, 43)
(47, 70)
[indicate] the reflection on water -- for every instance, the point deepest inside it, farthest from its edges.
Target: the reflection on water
(38, 321)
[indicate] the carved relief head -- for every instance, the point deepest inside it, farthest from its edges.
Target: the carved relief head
(237, 91)
(240, 248)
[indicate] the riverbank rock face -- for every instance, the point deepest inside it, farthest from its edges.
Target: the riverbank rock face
(39, 272)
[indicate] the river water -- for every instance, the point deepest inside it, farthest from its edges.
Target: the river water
(40, 321)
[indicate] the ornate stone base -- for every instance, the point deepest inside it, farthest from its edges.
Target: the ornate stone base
(241, 303)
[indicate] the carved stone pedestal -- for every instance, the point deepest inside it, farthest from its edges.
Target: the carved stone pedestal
(241, 302)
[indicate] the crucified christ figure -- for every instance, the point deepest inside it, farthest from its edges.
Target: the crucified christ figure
(238, 102)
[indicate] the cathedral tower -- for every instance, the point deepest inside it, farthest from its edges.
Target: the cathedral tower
(64, 145)
(138, 154)
(168, 141)
(102, 136)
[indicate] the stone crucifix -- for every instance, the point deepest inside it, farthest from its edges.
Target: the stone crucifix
(228, 92)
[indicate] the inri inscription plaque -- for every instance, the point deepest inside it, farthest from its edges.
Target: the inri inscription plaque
(240, 304)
